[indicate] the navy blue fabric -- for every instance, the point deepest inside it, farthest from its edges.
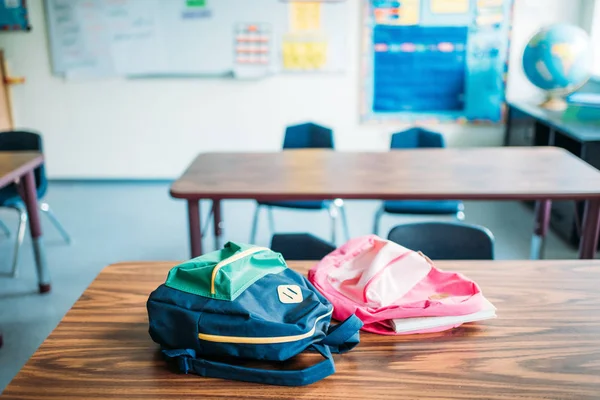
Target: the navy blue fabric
(176, 318)
(340, 339)
(345, 336)
(422, 206)
(257, 312)
(22, 141)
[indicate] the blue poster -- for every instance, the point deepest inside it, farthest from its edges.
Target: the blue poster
(13, 15)
(436, 60)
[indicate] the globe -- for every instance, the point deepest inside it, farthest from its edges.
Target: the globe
(558, 60)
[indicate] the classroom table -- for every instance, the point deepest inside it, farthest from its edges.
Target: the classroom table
(542, 174)
(545, 343)
(19, 166)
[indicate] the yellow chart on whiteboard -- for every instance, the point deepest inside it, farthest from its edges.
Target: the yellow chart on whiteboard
(449, 6)
(304, 53)
(305, 16)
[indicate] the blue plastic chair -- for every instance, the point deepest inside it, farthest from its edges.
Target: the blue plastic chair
(300, 246)
(9, 196)
(446, 240)
(305, 136)
(411, 139)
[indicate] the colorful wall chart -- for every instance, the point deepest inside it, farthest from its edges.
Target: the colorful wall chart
(14, 16)
(252, 51)
(252, 44)
(435, 60)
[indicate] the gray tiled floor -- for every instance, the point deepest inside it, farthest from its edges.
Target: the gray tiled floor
(138, 221)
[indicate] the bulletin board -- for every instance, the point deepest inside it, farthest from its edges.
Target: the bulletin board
(14, 15)
(435, 60)
(242, 38)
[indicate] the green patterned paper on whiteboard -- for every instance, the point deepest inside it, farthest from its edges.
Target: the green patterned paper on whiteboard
(196, 3)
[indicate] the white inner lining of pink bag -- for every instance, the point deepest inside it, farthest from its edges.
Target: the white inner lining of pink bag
(380, 275)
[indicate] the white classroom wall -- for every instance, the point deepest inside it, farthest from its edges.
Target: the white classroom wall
(152, 128)
(590, 13)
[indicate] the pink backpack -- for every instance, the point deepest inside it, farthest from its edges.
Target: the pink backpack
(381, 281)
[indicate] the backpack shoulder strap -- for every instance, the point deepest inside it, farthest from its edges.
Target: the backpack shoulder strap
(214, 369)
(344, 336)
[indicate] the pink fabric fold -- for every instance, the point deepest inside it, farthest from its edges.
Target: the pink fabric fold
(379, 280)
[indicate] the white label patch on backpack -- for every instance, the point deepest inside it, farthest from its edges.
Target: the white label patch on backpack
(289, 294)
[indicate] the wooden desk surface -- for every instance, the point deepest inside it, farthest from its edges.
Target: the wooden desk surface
(470, 173)
(545, 343)
(13, 164)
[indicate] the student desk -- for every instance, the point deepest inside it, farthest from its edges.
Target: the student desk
(530, 125)
(19, 166)
(501, 173)
(550, 129)
(545, 343)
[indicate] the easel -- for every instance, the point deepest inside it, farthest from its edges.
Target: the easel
(6, 111)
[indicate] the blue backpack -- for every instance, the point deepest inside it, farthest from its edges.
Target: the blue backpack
(243, 302)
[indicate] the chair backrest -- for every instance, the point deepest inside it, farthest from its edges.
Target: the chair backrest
(26, 141)
(446, 240)
(300, 246)
(309, 135)
(416, 137)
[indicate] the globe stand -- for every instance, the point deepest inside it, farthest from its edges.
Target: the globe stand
(554, 103)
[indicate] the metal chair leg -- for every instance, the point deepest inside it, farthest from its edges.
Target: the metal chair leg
(207, 222)
(377, 220)
(20, 236)
(344, 222)
(4, 229)
(333, 213)
(254, 225)
(271, 220)
(63, 232)
(460, 215)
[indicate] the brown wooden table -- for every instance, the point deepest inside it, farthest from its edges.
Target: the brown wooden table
(504, 173)
(545, 343)
(18, 166)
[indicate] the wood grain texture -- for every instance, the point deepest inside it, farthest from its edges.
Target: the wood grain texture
(14, 164)
(473, 173)
(545, 343)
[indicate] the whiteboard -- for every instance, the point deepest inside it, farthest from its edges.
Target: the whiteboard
(102, 38)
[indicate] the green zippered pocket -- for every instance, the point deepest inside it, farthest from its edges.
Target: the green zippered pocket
(225, 274)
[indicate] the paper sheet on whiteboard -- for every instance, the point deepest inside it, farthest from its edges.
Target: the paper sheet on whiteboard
(305, 16)
(80, 38)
